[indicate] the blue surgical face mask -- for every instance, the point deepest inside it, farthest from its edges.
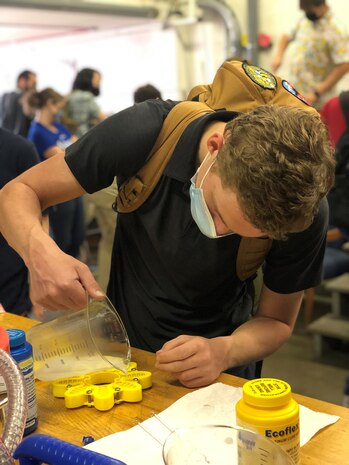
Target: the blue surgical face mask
(199, 210)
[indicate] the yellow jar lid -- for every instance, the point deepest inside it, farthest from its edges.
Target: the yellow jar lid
(267, 392)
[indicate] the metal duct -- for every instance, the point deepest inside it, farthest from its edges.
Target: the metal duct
(232, 26)
(84, 7)
(252, 45)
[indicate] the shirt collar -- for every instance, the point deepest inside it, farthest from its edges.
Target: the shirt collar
(182, 164)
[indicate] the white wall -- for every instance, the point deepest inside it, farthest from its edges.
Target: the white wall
(131, 57)
(126, 59)
(201, 50)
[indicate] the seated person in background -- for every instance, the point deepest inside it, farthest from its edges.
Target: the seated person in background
(174, 280)
(16, 156)
(51, 138)
(336, 261)
(335, 114)
(146, 92)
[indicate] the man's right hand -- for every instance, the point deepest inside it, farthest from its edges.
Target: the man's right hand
(59, 281)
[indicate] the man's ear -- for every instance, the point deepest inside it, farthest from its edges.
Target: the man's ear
(215, 141)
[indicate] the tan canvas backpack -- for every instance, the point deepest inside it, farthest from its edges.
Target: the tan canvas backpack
(237, 86)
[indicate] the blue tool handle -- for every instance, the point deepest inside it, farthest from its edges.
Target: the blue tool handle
(40, 448)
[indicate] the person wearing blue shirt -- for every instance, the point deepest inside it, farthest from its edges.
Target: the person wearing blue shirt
(45, 138)
(52, 138)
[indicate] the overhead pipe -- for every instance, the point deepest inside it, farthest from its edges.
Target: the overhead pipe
(84, 7)
(252, 33)
(232, 27)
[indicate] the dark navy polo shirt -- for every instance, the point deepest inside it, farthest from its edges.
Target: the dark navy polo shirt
(167, 278)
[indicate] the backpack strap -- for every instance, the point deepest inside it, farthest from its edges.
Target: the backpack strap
(136, 190)
(251, 255)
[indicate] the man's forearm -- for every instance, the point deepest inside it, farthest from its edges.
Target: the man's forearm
(21, 217)
(255, 340)
(282, 46)
(336, 74)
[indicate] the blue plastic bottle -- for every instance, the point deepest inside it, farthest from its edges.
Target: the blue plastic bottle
(22, 352)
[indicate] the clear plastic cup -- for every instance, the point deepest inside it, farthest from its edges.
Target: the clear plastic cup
(221, 445)
(80, 342)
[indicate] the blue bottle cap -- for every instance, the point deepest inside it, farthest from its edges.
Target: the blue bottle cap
(17, 337)
(87, 440)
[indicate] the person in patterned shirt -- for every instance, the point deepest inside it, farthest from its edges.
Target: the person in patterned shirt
(318, 53)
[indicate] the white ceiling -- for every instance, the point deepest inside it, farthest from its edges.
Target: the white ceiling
(26, 24)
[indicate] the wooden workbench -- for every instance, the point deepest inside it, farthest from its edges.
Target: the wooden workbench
(329, 447)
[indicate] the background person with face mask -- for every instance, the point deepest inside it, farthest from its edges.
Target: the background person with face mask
(82, 108)
(81, 114)
(318, 56)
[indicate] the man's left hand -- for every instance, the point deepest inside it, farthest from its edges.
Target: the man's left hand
(195, 361)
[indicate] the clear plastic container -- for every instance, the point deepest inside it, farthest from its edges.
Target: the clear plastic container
(4, 345)
(221, 445)
(80, 342)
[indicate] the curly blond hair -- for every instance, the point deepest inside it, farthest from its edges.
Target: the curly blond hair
(279, 162)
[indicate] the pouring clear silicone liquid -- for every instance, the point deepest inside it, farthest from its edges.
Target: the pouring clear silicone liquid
(221, 445)
(80, 342)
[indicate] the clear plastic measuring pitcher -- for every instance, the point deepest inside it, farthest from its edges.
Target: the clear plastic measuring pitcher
(80, 342)
(221, 445)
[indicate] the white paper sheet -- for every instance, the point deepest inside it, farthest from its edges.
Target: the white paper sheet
(214, 404)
